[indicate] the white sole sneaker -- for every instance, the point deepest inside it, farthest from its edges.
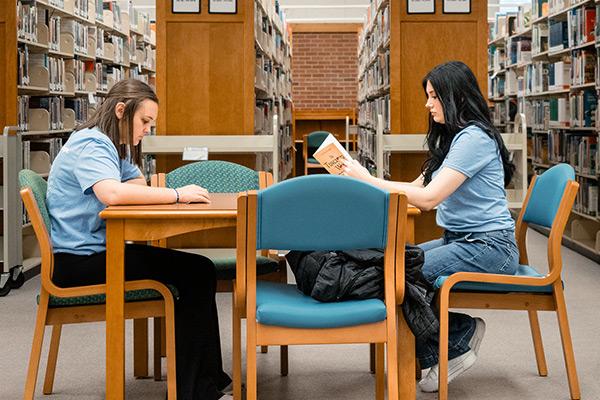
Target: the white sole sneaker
(477, 338)
(457, 365)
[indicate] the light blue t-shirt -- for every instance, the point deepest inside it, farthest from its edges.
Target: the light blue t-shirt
(88, 157)
(479, 204)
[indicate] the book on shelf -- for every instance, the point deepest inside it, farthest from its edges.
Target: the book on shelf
(331, 155)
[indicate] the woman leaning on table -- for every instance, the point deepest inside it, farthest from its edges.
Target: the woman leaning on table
(98, 167)
(464, 177)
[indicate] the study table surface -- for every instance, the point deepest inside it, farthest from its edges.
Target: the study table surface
(153, 222)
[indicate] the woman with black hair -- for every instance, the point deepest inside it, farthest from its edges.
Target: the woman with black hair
(464, 176)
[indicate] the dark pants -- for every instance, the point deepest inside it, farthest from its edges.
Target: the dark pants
(200, 374)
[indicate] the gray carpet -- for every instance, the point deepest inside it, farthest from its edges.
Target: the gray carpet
(505, 369)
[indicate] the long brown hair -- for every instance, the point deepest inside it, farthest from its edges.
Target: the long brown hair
(132, 92)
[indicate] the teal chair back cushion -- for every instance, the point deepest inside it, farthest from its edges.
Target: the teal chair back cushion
(215, 176)
(546, 195)
(322, 212)
(37, 184)
(314, 140)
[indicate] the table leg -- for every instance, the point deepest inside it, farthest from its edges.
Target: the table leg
(115, 313)
(407, 384)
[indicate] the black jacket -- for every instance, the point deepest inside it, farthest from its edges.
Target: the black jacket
(358, 274)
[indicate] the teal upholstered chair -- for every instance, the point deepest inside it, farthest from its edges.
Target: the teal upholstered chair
(224, 177)
(319, 212)
(310, 144)
(58, 306)
(548, 204)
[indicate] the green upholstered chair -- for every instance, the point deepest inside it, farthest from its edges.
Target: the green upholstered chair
(224, 177)
(58, 306)
(310, 144)
(548, 203)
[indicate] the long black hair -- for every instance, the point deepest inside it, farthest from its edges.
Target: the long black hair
(456, 87)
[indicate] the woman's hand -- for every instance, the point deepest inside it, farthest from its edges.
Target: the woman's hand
(355, 170)
(193, 194)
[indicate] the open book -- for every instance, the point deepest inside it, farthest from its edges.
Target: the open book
(331, 155)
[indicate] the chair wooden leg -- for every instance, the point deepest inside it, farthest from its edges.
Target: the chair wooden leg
(250, 360)
(418, 370)
(538, 345)
(52, 358)
(169, 324)
(379, 361)
(407, 386)
(567, 344)
(283, 360)
(140, 348)
(372, 366)
(264, 349)
(443, 354)
(36, 347)
(163, 336)
(157, 350)
(237, 350)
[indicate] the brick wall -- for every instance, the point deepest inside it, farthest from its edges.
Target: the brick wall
(324, 70)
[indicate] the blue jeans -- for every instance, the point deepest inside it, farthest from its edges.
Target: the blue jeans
(491, 252)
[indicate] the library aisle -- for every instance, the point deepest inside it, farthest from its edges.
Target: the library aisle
(247, 81)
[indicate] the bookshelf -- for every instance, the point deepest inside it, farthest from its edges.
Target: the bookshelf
(543, 62)
(396, 50)
(69, 53)
(236, 74)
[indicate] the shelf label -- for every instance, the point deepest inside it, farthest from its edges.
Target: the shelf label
(195, 153)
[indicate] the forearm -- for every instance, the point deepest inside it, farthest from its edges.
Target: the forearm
(124, 194)
(418, 196)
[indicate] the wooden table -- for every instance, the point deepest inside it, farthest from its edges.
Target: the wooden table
(153, 222)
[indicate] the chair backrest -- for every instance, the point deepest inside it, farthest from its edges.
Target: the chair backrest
(37, 184)
(314, 140)
(547, 194)
(322, 212)
(215, 176)
(548, 203)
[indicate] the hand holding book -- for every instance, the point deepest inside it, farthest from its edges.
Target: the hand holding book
(332, 155)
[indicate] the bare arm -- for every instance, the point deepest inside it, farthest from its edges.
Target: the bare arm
(425, 198)
(112, 192)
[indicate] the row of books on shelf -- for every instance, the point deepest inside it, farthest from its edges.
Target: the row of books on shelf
(265, 110)
(508, 24)
(580, 151)
(271, 34)
(586, 201)
(369, 110)
(376, 37)
(557, 34)
(45, 114)
(576, 111)
(375, 77)
(271, 80)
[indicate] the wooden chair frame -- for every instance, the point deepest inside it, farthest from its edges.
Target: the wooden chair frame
(265, 179)
(530, 302)
(382, 333)
(59, 316)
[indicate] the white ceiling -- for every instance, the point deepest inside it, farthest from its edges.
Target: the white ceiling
(332, 10)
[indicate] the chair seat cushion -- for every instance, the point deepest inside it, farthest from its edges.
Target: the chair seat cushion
(130, 296)
(312, 160)
(226, 267)
(523, 270)
(284, 305)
